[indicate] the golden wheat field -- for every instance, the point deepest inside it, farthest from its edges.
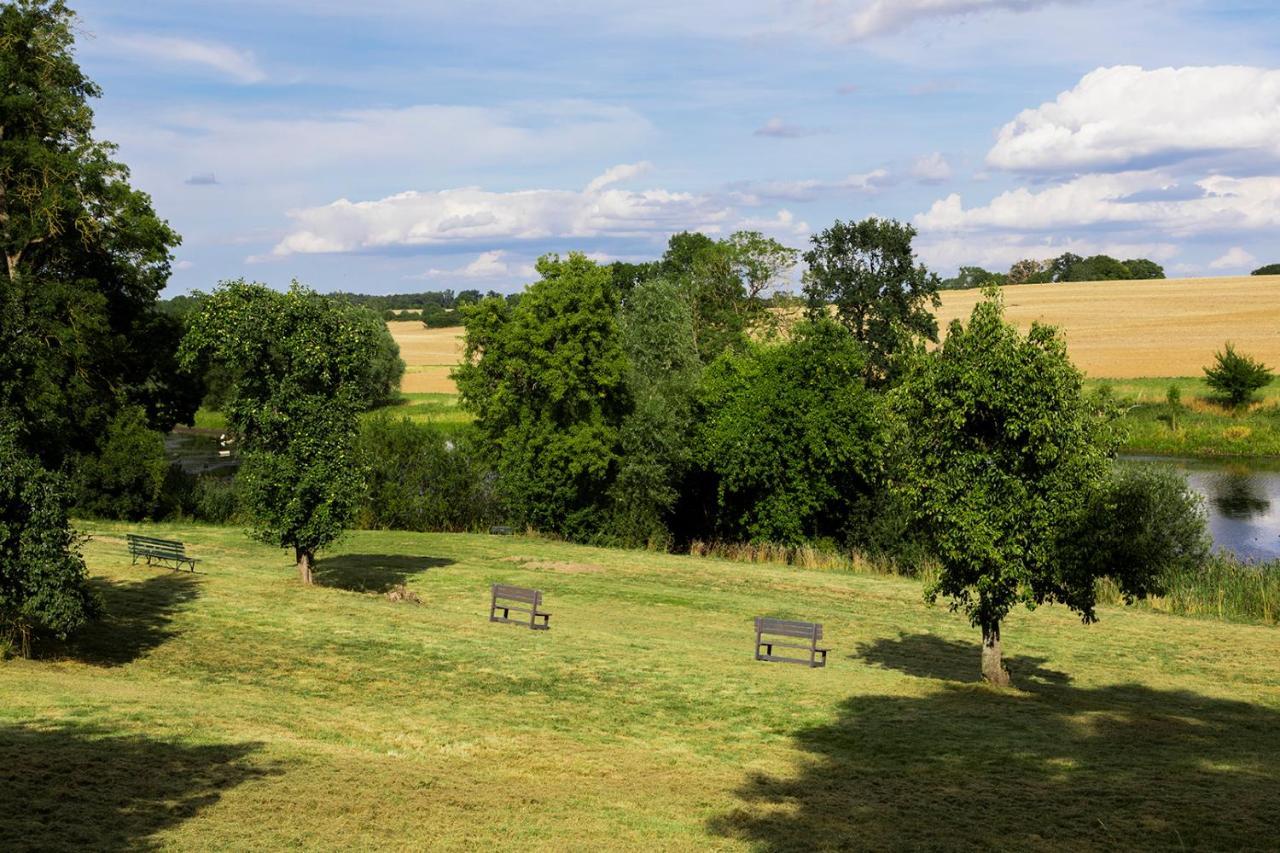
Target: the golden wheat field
(1114, 329)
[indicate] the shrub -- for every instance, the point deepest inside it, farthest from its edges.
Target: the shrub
(1236, 377)
(126, 478)
(1269, 269)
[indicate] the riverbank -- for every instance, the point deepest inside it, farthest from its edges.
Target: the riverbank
(1193, 424)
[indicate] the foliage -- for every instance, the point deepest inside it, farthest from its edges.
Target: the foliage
(1000, 451)
(302, 364)
(867, 270)
(85, 255)
(423, 478)
(1028, 271)
(707, 271)
(381, 383)
(546, 380)
(792, 436)
(969, 278)
(43, 581)
(1268, 269)
(126, 478)
(1142, 268)
(1237, 377)
(663, 367)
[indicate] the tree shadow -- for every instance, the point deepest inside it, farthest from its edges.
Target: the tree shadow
(927, 656)
(1051, 766)
(372, 572)
(80, 788)
(136, 618)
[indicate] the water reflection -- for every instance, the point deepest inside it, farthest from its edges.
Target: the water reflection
(1241, 500)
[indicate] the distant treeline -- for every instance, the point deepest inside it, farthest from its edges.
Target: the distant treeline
(1065, 267)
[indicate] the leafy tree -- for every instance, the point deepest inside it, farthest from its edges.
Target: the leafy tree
(761, 263)
(1237, 377)
(468, 297)
(707, 271)
(1028, 271)
(1059, 268)
(1142, 268)
(546, 380)
(44, 585)
(663, 369)
(382, 386)
(301, 365)
(1269, 269)
(126, 477)
(85, 256)
(1000, 452)
(868, 272)
(968, 278)
(792, 435)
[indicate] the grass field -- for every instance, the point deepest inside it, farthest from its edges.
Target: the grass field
(429, 355)
(237, 710)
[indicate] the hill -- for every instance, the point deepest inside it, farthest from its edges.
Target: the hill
(235, 709)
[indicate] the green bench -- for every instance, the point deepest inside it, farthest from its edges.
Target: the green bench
(163, 551)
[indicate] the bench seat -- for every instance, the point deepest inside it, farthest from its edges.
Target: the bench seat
(164, 551)
(520, 600)
(783, 634)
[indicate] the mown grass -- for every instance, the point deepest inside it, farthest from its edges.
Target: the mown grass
(1200, 425)
(235, 710)
(436, 408)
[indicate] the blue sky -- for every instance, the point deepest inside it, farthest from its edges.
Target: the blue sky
(391, 146)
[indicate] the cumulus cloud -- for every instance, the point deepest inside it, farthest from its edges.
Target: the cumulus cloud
(884, 17)
(618, 174)
(1126, 116)
(1234, 258)
(780, 129)
(1000, 251)
(471, 214)
(783, 224)
(1217, 203)
(931, 168)
(754, 193)
(232, 62)
(495, 264)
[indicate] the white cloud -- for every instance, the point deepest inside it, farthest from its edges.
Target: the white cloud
(883, 17)
(931, 169)
(752, 193)
(999, 252)
(617, 174)
(1146, 200)
(237, 64)
(494, 264)
(780, 129)
(783, 224)
(1234, 258)
(471, 214)
(1125, 116)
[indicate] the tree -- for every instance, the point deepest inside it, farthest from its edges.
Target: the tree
(706, 272)
(1000, 452)
(792, 435)
(969, 278)
(386, 368)
(1026, 271)
(1142, 268)
(85, 256)
(1236, 377)
(868, 272)
(301, 365)
(760, 262)
(1059, 268)
(43, 581)
(1269, 269)
(546, 380)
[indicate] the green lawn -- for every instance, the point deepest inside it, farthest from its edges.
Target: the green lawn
(1199, 426)
(236, 709)
(438, 409)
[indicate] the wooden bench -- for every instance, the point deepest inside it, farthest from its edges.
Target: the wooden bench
(798, 635)
(521, 600)
(162, 550)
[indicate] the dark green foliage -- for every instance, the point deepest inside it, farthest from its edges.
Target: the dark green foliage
(969, 278)
(867, 270)
(1000, 450)
(792, 436)
(1236, 377)
(1269, 269)
(422, 478)
(1141, 268)
(200, 497)
(302, 365)
(84, 255)
(126, 478)
(1142, 525)
(386, 368)
(704, 269)
(657, 334)
(43, 581)
(546, 380)
(435, 317)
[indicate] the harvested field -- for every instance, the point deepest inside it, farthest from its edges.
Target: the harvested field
(429, 355)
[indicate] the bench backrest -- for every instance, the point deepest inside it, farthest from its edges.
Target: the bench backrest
(152, 542)
(517, 593)
(788, 628)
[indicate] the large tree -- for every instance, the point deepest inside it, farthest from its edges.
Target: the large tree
(1001, 455)
(300, 364)
(85, 256)
(547, 382)
(868, 272)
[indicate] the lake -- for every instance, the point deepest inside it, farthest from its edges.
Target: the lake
(1241, 499)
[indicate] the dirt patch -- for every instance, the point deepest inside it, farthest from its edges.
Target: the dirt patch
(559, 566)
(400, 592)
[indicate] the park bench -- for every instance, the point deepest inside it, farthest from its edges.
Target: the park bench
(162, 550)
(521, 600)
(796, 635)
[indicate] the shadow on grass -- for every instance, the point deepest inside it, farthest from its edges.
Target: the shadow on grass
(926, 656)
(136, 618)
(1050, 767)
(79, 788)
(372, 572)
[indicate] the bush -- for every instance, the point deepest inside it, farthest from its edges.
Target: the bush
(126, 479)
(1236, 377)
(421, 478)
(1269, 269)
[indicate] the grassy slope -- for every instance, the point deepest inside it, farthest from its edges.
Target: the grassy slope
(236, 709)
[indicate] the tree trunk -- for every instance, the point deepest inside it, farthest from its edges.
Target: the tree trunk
(24, 637)
(305, 560)
(993, 671)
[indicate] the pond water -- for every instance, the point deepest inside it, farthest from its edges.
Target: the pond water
(1241, 498)
(199, 452)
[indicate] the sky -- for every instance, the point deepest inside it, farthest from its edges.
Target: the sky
(391, 146)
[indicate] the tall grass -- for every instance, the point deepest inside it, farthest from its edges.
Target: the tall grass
(1222, 588)
(804, 557)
